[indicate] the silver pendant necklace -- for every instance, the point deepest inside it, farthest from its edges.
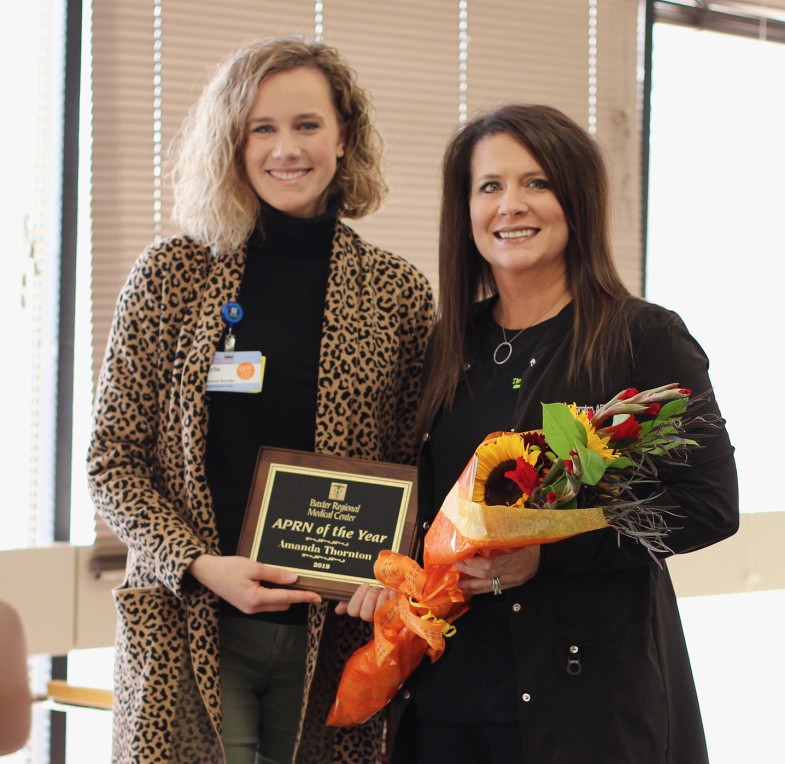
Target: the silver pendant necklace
(508, 343)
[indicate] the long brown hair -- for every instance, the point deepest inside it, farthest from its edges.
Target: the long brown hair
(575, 168)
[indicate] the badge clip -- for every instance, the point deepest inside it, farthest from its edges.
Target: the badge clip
(232, 314)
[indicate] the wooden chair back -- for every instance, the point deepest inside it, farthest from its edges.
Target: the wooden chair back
(15, 698)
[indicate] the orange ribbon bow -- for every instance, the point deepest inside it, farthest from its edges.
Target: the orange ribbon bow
(405, 628)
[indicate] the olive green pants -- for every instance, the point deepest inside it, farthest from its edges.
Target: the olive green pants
(262, 675)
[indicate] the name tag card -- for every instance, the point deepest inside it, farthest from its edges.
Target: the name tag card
(240, 372)
(326, 518)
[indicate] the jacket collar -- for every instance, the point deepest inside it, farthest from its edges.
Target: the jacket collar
(347, 286)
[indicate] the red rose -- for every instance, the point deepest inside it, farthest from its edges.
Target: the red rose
(568, 466)
(551, 497)
(524, 475)
(652, 408)
(629, 428)
(628, 393)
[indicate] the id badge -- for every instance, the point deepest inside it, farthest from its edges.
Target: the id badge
(241, 372)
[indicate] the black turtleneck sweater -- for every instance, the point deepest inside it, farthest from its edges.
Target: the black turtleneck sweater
(282, 295)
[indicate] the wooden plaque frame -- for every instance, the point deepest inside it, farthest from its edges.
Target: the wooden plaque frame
(307, 531)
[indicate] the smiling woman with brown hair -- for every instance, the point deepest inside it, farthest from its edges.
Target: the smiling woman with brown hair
(212, 664)
(571, 652)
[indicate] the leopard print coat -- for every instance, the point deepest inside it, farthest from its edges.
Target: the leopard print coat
(147, 479)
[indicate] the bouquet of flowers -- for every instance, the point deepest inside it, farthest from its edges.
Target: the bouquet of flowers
(583, 471)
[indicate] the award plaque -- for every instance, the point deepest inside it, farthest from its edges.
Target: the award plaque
(326, 518)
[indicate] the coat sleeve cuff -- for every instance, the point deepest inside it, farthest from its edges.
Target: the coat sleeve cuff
(173, 569)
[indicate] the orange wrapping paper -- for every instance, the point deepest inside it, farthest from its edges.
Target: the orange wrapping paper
(429, 600)
(463, 527)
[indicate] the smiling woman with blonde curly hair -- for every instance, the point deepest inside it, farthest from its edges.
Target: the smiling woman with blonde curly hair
(211, 662)
(214, 201)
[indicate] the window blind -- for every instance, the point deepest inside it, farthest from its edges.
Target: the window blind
(534, 52)
(122, 179)
(150, 62)
(531, 52)
(196, 36)
(618, 130)
(406, 54)
(122, 161)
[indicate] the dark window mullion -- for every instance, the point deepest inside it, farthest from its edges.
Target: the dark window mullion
(67, 309)
(65, 364)
(648, 47)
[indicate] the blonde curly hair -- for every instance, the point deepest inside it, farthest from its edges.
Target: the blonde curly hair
(213, 198)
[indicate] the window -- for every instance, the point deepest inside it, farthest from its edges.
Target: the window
(715, 255)
(715, 247)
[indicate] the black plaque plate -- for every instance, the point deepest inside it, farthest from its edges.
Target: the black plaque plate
(326, 518)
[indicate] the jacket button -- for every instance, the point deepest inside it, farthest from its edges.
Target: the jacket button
(526, 697)
(406, 694)
(426, 525)
(467, 366)
(426, 437)
(516, 608)
(532, 362)
(574, 649)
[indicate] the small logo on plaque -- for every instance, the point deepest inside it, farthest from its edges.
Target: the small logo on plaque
(337, 491)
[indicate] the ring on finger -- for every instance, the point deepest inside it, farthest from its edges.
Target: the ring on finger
(497, 585)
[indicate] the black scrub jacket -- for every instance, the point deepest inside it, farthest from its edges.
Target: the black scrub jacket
(634, 701)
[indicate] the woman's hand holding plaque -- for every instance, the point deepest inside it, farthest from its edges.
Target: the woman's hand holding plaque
(238, 581)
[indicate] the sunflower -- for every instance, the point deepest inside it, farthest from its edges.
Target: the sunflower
(495, 457)
(594, 441)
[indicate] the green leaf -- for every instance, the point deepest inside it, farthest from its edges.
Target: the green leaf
(556, 473)
(562, 429)
(645, 427)
(620, 462)
(558, 486)
(672, 410)
(593, 465)
(571, 504)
